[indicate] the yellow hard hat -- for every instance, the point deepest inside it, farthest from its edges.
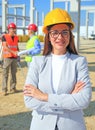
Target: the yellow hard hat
(57, 16)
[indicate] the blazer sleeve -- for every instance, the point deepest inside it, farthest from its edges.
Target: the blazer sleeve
(78, 100)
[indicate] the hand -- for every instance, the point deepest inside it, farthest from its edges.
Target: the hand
(30, 90)
(15, 53)
(78, 87)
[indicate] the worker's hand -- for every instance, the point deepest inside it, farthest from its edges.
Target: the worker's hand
(30, 90)
(78, 87)
(15, 53)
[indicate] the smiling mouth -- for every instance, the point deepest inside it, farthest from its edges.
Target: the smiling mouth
(60, 43)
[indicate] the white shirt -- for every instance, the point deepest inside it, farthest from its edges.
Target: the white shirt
(57, 65)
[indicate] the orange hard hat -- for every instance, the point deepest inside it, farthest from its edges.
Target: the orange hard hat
(11, 25)
(33, 27)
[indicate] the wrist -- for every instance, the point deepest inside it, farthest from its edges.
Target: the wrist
(45, 97)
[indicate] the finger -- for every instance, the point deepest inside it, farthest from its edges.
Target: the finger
(79, 84)
(27, 94)
(79, 88)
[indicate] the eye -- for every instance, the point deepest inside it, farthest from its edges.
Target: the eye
(54, 32)
(65, 32)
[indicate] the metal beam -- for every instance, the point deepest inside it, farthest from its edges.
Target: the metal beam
(18, 16)
(87, 0)
(70, 0)
(22, 6)
(16, 6)
(61, 0)
(91, 11)
(87, 7)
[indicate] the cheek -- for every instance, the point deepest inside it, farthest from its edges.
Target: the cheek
(52, 41)
(68, 40)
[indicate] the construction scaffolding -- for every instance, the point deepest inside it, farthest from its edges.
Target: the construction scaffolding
(75, 9)
(73, 6)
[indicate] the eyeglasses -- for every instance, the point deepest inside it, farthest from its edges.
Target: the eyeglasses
(55, 33)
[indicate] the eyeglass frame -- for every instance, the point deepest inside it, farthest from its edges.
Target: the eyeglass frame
(59, 32)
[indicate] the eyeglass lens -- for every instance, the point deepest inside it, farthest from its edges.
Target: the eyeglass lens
(55, 33)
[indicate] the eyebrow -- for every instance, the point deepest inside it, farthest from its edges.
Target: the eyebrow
(59, 30)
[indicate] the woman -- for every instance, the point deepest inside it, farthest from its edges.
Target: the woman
(58, 87)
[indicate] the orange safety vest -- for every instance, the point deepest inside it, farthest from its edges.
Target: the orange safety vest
(12, 45)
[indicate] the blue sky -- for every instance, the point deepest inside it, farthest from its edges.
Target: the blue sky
(44, 6)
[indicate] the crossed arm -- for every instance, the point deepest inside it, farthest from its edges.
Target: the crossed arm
(79, 98)
(30, 90)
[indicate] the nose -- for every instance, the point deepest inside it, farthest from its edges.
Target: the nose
(60, 36)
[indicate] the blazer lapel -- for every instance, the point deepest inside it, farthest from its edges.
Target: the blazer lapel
(47, 71)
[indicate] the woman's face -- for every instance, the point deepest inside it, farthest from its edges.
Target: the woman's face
(59, 36)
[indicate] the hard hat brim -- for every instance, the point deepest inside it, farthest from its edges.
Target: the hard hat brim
(45, 30)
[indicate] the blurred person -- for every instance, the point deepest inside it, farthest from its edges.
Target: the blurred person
(1, 47)
(33, 46)
(10, 49)
(57, 86)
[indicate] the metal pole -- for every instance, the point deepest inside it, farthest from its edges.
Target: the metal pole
(24, 14)
(15, 12)
(87, 20)
(94, 22)
(4, 12)
(1, 49)
(66, 5)
(78, 29)
(37, 20)
(31, 11)
(51, 4)
(43, 18)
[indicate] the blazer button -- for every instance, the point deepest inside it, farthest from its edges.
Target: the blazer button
(56, 110)
(55, 104)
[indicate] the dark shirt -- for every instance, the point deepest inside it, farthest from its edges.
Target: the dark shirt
(4, 39)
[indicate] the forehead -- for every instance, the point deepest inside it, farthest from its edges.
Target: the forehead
(60, 27)
(12, 29)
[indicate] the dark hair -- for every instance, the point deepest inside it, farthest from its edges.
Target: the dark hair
(48, 47)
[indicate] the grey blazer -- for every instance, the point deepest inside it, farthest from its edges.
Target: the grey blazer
(62, 108)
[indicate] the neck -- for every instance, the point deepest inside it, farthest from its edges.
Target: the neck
(11, 34)
(59, 52)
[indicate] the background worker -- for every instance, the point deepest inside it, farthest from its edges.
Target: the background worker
(33, 46)
(10, 49)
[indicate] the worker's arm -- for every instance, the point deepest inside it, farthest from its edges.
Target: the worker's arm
(33, 51)
(24, 52)
(36, 49)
